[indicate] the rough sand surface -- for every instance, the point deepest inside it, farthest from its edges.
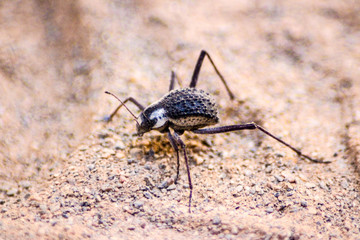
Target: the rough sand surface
(293, 66)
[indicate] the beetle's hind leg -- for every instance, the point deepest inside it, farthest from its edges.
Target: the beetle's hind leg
(253, 126)
(108, 118)
(196, 73)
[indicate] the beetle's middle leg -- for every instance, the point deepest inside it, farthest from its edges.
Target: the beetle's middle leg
(172, 81)
(182, 144)
(196, 73)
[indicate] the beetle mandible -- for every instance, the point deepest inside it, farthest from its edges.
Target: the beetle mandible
(189, 109)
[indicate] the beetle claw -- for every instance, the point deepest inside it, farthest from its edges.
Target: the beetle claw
(106, 118)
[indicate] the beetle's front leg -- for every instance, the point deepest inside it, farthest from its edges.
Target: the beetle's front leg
(110, 117)
(174, 144)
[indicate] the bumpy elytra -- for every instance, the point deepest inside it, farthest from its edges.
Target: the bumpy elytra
(181, 109)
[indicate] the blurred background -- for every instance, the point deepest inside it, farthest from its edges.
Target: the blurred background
(58, 57)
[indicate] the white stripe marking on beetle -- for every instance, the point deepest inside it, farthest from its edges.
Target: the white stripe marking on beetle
(160, 117)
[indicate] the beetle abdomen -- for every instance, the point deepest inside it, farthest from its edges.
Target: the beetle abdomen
(190, 108)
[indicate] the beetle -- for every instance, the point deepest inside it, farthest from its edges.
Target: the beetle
(189, 109)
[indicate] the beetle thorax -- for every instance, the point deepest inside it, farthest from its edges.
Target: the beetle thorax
(159, 115)
(152, 118)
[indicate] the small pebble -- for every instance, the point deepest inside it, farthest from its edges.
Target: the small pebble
(91, 167)
(207, 142)
(248, 173)
(122, 179)
(222, 176)
(65, 214)
(149, 182)
(131, 160)
(234, 230)
(322, 185)
(287, 186)
(162, 166)
(43, 207)
(171, 187)
(120, 146)
(83, 148)
(199, 160)
(138, 204)
(260, 192)
(136, 153)
(216, 220)
(131, 227)
(269, 210)
(106, 188)
(229, 237)
(12, 192)
(25, 184)
(120, 155)
(106, 153)
(156, 192)
(103, 135)
(147, 166)
(165, 183)
(288, 176)
(54, 208)
(279, 178)
(147, 195)
(304, 204)
(344, 184)
(268, 169)
(239, 188)
(293, 209)
(310, 185)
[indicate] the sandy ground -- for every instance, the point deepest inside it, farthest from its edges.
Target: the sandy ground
(293, 66)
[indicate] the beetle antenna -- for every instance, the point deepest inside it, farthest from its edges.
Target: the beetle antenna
(123, 104)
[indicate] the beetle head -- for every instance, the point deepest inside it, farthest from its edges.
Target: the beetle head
(145, 124)
(152, 118)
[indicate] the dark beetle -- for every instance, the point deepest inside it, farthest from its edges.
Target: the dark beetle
(183, 109)
(189, 109)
